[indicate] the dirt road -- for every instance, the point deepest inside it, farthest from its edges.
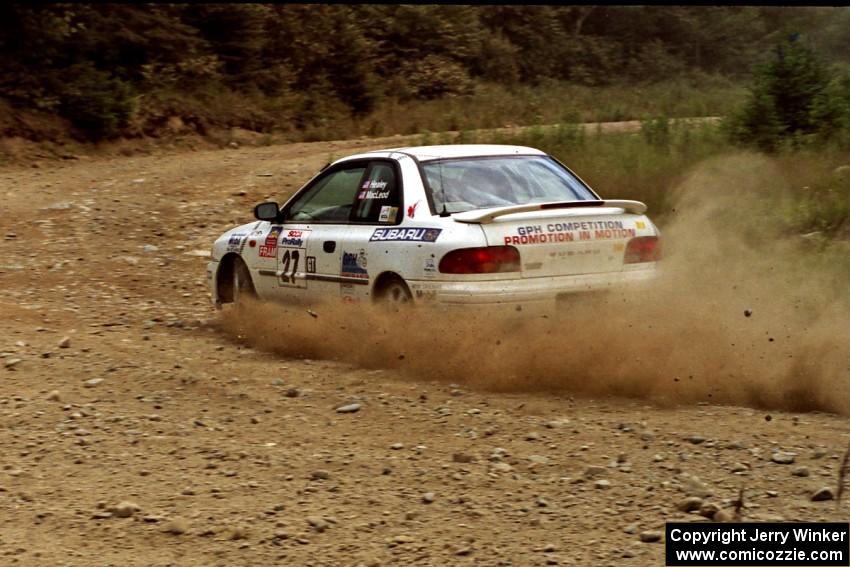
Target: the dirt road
(136, 432)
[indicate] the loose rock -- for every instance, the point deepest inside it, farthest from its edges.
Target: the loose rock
(350, 408)
(782, 458)
(821, 494)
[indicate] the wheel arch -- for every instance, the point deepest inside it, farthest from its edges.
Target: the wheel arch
(381, 282)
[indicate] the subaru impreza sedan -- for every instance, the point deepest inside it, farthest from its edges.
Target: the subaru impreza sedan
(451, 225)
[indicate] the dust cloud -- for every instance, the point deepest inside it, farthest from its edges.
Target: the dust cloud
(737, 316)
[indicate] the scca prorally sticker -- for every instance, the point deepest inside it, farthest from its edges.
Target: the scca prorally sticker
(294, 238)
(406, 234)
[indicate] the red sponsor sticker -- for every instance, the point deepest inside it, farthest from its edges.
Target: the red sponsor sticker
(268, 251)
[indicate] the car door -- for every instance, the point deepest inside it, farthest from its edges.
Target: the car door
(315, 222)
(378, 203)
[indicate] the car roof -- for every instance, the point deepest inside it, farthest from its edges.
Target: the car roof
(427, 153)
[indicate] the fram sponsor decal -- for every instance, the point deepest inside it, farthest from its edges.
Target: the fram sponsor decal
(570, 232)
(268, 251)
(406, 234)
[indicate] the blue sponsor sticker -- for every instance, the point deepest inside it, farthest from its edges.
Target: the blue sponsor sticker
(354, 265)
(406, 234)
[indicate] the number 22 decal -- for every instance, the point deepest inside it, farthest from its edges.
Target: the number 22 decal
(289, 260)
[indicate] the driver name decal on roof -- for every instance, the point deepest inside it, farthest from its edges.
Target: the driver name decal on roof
(406, 234)
(570, 232)
(373, 190)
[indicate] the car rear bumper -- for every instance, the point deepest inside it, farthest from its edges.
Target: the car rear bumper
(527, 290)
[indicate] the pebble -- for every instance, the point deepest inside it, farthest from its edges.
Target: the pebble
(92, 383)
(317, 523)
(65, 342)
(538, 459)
(350, 408)
(501, 467)
(650, 536)
(320, 475)
(397, 446)
(689, 504)
(237, 533)
(428, 497)
(782, 458)
(176, 526)
(801, 472)
(723, 516)
(54, 396)
(602, 484)
(593, 470)
(708, 510)
(12, 363)
(294, 393)
(695, 439)
(463, 458)
(124, 509)
(821, 494)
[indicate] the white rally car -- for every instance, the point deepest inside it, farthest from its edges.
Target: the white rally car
(454, 224)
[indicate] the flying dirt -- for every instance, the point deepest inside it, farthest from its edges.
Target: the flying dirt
(139, 429)
(734, 318)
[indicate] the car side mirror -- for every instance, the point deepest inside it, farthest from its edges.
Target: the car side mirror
(267, 211)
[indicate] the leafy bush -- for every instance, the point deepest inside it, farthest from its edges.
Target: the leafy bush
(795, 99)
(94, 101)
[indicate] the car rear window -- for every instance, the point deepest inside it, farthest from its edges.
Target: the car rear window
(459, 185)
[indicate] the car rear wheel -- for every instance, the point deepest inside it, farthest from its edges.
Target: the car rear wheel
(394, 294)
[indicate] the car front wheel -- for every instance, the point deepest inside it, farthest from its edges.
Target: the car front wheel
(243, 287)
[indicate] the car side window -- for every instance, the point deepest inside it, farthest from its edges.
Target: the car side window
(379, 196)
(330, 199)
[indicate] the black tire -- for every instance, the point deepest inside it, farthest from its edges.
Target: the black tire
(243, 287)
(394, 294)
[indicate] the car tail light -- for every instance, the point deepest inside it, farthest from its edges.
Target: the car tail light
(484, 260)
(643, 249)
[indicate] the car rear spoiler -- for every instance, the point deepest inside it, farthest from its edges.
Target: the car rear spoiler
(489, 215)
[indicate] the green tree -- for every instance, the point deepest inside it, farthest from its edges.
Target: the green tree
(792, 98)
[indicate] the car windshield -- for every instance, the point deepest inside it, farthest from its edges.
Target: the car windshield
(476, 183)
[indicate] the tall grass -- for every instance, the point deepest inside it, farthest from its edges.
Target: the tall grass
(810, 205)
(496, 106)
